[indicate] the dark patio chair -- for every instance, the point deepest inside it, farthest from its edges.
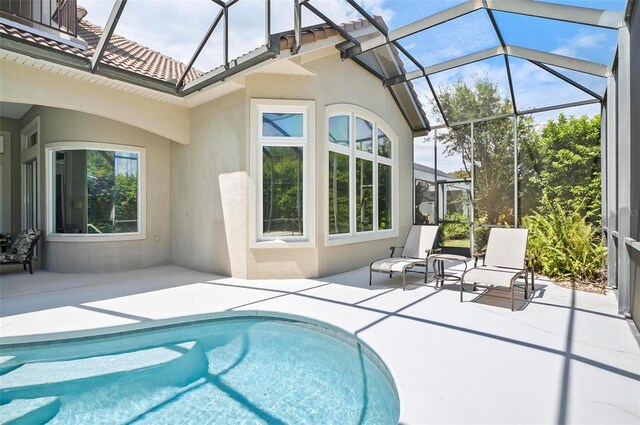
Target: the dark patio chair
(21, 251)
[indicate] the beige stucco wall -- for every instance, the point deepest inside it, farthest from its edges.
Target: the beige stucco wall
(28, 85)
(210, 177)
(10, 176)
(60, 125)
(208, 206)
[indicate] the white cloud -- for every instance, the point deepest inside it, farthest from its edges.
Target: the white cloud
(582, 42)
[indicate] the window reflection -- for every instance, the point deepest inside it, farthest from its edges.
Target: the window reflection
(364, 135)
(338, 193)
(339, 130)
(364, 195)
(282, 125)
(282, 182)
(96, 191)
(384, 145)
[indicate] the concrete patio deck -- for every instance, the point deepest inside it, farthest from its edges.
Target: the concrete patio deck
(564, 357)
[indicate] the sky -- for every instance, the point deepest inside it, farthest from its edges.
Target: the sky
(175, 28)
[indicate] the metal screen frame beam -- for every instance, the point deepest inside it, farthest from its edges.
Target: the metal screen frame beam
(332, 24)
(297, 27)
(575, 64)
(559, 12)
(368, 17)
(421, 25)
(223, 72)
(450, 64)
(496, 28)
(110, 26)
(203, 42)
(519, 114)
(567, 80)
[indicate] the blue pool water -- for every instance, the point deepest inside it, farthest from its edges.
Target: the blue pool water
(231, 371)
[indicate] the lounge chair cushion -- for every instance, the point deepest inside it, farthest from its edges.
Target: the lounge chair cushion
(19, 250)
(395, 265)
(488, 275)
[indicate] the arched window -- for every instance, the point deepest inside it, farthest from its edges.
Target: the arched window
(362, 175)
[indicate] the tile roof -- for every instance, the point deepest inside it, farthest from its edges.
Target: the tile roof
(323, 31)
(121, 52)
(131, 56)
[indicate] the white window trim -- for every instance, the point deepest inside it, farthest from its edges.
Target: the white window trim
(354, 111)
(50, 151)
(257, 141)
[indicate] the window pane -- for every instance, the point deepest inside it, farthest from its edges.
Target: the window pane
(282, 172)
(384, 196)
(338, 193)
(96, 192)
(384, 145)
(364, 135)
(364, 195)
(339, 130)
(282, 125)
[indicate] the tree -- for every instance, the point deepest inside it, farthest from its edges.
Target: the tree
(493, 145)
(566, 166)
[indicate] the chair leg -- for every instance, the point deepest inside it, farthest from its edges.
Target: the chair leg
(24, 266)
(30, 269)
(512, 299)
(533, 272)
(526, 284)
(369, 276)
(426, 270)
(403, 275)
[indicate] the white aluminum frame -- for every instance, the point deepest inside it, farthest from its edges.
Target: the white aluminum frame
(50, 151)
(353, 112)
(307, 142)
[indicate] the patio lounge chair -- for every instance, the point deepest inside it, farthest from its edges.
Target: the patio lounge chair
(417, 248)
(503, 263)
(21, 251)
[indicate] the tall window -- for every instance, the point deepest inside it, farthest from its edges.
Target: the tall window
(281, 143)
(361, 178)
(95, 190)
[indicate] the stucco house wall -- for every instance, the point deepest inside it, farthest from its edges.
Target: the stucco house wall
(60, 125)
(210, 185)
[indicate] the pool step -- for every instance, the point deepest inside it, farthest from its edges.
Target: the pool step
(34, 411)
(9, 363)
(176, 364)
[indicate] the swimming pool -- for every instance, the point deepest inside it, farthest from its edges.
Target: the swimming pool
(224, 371)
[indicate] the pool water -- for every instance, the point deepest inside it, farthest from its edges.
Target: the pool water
(230, 371)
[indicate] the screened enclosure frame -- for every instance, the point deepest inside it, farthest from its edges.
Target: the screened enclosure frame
(537, 9)
(365, 51)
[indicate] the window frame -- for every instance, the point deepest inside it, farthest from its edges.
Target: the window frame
(258, 141)
(353, 236)
(50, 152)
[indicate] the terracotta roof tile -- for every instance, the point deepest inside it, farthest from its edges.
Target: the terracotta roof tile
(120, 52)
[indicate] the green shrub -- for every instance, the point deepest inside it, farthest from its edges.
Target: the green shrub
(455, 231)
(564, 244)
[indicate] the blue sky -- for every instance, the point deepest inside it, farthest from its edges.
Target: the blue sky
(176, 28)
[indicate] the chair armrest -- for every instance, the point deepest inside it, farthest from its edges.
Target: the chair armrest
(393, 249)
(529, 262)
(477, 256)
(432, 251)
